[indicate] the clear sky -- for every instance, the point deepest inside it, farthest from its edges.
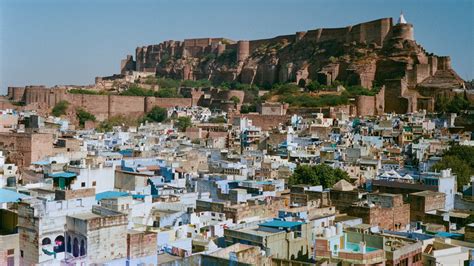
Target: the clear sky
(53, 42)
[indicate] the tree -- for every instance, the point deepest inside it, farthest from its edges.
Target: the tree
(461, 161)
(168, 93)
(135, 90)
(218, 120)
(457, 104)
(235, 99)
(314, 86)
(320, 174)
(60, 108)
(157, 114)
(454, 105)
(182, 123)
(458, 166)
(83, 116)
(248, 108)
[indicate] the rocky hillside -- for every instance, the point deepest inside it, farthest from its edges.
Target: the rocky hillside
(369, 54)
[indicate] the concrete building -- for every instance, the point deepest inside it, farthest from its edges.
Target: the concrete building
(280, 239)
(42, 223)
(423, 202)
(437, 252)
(444, 181)
(387, 211)
(95, 237)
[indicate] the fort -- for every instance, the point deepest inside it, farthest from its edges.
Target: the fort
(378, 53)
(106, 106)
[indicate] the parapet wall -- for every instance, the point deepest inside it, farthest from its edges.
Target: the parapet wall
(371, 105)
(102, 106)
(368, 32)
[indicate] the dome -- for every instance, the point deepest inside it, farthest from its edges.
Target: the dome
(401, 19)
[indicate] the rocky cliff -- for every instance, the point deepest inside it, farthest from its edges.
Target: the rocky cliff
(368, 54)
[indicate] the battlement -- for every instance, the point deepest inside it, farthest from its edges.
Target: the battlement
(148, 58)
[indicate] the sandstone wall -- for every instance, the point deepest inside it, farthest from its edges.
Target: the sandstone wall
(16, 93)
(97, 105)
(24, 148)
(102, 106)
(167, 102)
(126, 105)
(365, 105)
(369, 32)
(267, 122)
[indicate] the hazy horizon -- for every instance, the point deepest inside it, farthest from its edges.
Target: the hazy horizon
(68, 42)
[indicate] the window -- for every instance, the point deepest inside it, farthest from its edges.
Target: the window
(93, 183)
(46, 241)
(21, 253)
(10, 252)
(78, 202)
(83, 184)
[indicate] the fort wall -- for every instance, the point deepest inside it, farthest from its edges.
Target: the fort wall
(371, 105)
(403, 31)
(102, 106)
(444, 62)
(16, 93)
(376, 31)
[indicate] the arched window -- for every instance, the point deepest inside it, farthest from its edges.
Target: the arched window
(75, 248)
(83, 248)
(59, 244)
(46, 241)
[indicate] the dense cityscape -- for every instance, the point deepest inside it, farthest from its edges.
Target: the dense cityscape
(340, 146)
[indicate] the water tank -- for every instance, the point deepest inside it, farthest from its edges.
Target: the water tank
(11, 181)
(339, 228)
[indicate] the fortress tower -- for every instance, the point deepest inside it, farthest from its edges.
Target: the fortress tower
(243, 50)
(403, 29)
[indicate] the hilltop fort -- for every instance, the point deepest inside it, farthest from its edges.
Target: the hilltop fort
(379, 55)
(376, 52)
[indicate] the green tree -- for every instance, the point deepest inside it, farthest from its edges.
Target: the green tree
(461, 161)
(314, 86)
(84, 91)
(454, 105)
(168, 93)
(60, 108)
(458, 166)
(248, 108)
(458, 103)
(157, 114)
(466, 153)
(219, 119)
(135, 90)
(314, 175)
(182, 123)
(235, 99)
(83, 116)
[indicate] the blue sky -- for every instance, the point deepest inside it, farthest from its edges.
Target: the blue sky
(53, 42)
